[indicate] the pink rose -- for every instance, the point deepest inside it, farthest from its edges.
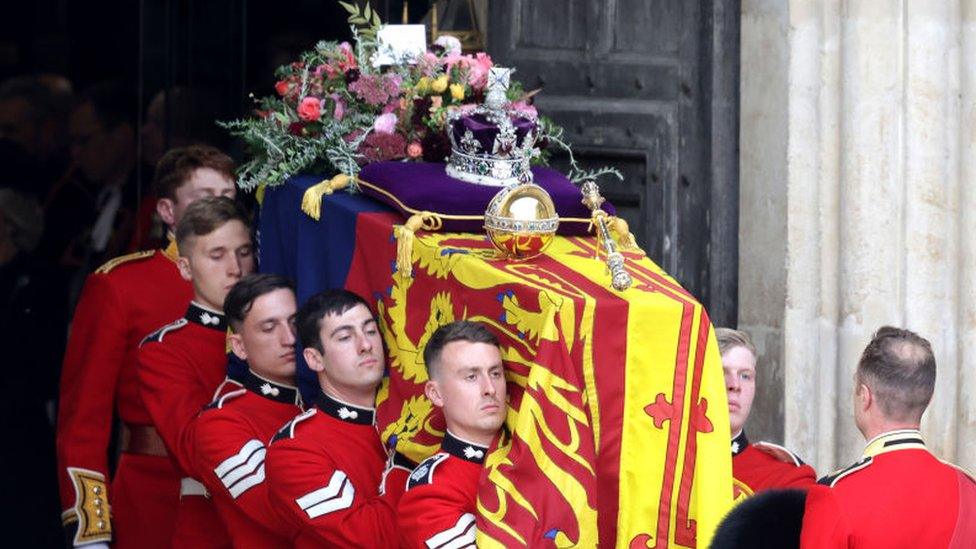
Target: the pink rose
(385, 123)
(415, 150)
(310, 109)
(478, 73)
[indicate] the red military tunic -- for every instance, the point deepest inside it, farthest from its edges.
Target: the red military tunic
(901, 496)
(438, 509)
(230, 438)
(763, 465)
(122, 302)
(324, 472)
(181, 369)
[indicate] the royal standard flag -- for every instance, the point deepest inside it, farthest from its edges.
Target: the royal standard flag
(617, 432)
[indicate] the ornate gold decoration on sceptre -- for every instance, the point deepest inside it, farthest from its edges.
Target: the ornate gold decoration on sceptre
(620, 279)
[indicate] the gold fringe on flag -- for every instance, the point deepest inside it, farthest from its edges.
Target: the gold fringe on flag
(312, 199)
(425, 220)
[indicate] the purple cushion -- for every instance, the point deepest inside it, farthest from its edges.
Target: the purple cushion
(421, 186)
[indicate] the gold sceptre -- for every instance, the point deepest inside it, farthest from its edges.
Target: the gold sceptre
(620, 279)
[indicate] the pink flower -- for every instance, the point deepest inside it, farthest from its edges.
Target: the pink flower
(524, 109)
(310, 109)
(340, 107)
(415, 150)
(478, 74)
(385, 123)
(427, 63)
(376, 89)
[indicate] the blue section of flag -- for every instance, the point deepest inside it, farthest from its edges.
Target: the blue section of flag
(325, 246)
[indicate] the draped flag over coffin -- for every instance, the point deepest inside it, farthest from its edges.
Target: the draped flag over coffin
(618, 418)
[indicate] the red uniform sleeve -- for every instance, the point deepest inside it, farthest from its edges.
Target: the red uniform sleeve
(436, 515)
(172, 397)
(94, 355)
(230, 459)
(799, 477)
(322, 501)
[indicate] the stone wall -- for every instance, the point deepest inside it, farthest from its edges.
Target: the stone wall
(858, 209)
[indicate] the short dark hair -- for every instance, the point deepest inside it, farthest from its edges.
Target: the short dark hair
(899, 367)
(308, 321)
(459, 330)
(114, 103)
(242, 296)
(205, 216)
(176, 167)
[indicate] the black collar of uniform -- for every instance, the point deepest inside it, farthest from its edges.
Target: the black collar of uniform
(344, 411)
(205, 317)
(270, 390)
(740, 443)
(463, 449)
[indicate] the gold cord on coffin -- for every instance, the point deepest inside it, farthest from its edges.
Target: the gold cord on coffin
(312, 199)
(404, 234)
(91, 509)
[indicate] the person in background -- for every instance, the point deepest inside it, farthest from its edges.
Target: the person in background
(29, 322)
(467, 381)
(761, 465)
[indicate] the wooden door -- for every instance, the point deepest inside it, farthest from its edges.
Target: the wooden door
(651, 87)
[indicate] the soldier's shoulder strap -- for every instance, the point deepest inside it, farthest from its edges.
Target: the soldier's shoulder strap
(128, 258)
(833, 478)
(158, 335)
(424, 473)
(288, 431)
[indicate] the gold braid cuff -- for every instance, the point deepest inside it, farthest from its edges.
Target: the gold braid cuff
(91, 510)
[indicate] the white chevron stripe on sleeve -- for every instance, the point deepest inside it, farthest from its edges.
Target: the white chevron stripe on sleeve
(243, 470)
(461, 535)
(247, 482)
(247, 468)
(337, 495)
(239, 458)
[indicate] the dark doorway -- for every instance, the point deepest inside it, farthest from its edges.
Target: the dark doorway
(651, 87)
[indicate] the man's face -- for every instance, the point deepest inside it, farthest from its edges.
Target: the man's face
(16, 124)
(739, 366)
(205, 182)
(469, 384)
(352, 360)
(266, 338)
(98, 151)
(216, 262)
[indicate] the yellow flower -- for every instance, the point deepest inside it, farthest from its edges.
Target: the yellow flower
(440, 84)
(423, 86)
(457, 92)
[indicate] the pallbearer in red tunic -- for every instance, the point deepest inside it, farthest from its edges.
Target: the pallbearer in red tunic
(466, 380)
(899, 494)
(121, 303)
(183, 364)
(230, 436)
(762, 465)
(324, 468)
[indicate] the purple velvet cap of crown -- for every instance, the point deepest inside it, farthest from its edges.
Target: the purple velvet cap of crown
(486, 131)
(426, 186)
